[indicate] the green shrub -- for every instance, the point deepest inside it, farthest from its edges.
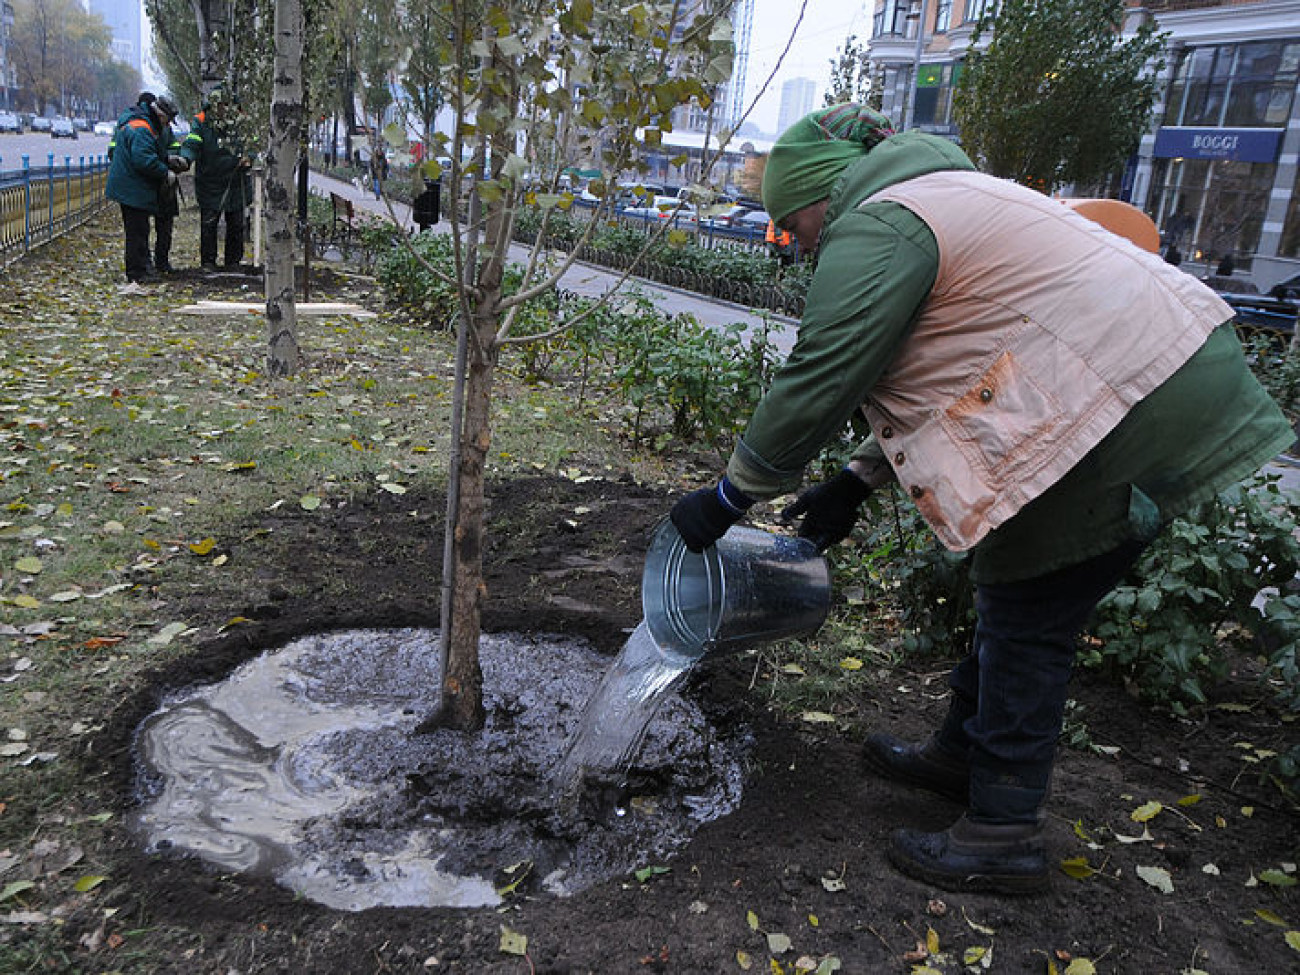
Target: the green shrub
(1164, 631)
(407, 282)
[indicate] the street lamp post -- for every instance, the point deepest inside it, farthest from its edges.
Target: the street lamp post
(918, 12)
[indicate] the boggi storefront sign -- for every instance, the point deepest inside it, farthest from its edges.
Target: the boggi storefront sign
(1237, 145)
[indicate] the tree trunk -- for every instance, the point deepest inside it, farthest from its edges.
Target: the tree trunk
(462, 686)
(282, 154)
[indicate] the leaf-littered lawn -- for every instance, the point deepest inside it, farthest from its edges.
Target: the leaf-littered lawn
(168, 511)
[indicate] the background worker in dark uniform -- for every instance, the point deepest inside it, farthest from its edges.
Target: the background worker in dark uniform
(169, 204)
(222, 185)
(137, 172)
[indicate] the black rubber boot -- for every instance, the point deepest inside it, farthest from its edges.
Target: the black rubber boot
(975, 857)
(929, 765)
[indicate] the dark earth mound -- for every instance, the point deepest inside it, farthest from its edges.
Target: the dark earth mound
(803, 856)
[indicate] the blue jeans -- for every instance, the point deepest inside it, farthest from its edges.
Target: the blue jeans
(1009, 693)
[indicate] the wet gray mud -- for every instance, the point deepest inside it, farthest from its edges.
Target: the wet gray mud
(303, 764)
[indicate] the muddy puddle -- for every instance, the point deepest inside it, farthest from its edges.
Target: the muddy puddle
(303, 765)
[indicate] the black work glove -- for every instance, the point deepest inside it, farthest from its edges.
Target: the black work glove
(703, 516)
(830, 509)
(177, 164)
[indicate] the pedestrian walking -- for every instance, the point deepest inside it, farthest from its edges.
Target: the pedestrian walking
(426, 208)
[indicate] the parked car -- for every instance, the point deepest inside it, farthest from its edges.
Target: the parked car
(722, 218)
(1288, 290)
(42, 123)
(662, 208)
(62, 128)
(104, 128)
(9, 122)
(753, 222)
(81, 124)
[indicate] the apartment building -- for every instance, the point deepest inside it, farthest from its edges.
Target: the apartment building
(1217, 169)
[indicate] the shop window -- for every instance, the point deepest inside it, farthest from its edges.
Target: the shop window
(934, 87)
(1242, 86)
(1290, 246)
(1209, 208)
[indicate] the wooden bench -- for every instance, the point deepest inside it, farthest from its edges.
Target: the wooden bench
(343, 215)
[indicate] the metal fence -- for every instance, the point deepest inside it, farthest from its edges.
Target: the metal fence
(38, 203)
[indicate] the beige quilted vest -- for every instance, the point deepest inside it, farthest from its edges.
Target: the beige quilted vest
(1042, 330)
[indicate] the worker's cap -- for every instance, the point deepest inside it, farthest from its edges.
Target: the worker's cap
(167, 107)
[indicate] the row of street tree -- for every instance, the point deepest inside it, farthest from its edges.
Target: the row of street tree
(531, 86)
(63, 62)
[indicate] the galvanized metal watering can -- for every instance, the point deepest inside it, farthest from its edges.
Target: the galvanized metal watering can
(751, 587)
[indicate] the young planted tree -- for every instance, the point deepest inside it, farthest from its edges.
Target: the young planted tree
(1058, 96)
(520, 72)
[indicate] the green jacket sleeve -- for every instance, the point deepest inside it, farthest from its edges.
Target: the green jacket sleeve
(877, 265)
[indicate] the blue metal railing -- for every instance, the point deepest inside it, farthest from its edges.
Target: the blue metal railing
(39, 203)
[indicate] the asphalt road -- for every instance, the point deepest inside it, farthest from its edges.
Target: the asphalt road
(39, 145)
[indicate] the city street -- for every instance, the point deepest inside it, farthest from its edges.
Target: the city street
(39, 145)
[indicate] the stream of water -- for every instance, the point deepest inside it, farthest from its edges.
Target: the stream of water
(617, 715)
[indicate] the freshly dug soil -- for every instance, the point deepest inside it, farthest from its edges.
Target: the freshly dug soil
(802, 856)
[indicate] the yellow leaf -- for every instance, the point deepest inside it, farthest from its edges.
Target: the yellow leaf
(1293, 939)
(221, 560)
(972, 956)
(27, 602)
(812, 919)
(1081, 966)
(1146, 812)
(752, 918)
(309, 502)
(1189, 800)
(88, 883)
(392, 488)
(818, 717)
(1078, 868)
(203, 547)
(932, 941)
(851, 663)
(981, 928)
(150, 543)
(64, 509)
(744, 961)
(512, 942)
(794, 669)
(29, 564)
(1270, 917)
(236, 466)
(1248, 811)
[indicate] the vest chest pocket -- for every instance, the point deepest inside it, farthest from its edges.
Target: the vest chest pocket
(1004, 421)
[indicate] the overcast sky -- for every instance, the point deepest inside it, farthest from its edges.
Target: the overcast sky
(825, 27)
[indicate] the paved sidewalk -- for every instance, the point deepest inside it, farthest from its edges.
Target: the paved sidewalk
(586, 279)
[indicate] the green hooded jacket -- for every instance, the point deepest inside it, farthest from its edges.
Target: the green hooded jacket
(876, 266)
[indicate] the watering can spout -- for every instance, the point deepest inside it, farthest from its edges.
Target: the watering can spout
(751, 587)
